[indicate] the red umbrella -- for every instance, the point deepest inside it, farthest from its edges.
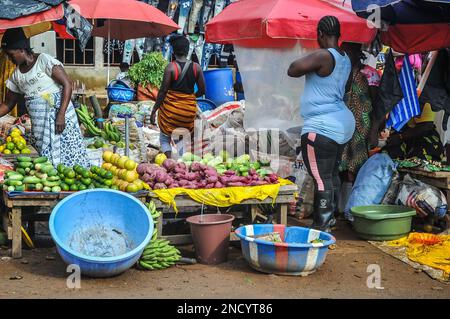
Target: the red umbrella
(280, 23)
(125, 19)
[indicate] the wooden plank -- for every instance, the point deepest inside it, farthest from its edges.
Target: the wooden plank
(254, 211)
(159, 226)
(16, 232)
(438, 182)
(283, 214)
(426, 173)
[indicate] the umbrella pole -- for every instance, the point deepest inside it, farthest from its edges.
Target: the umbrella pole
(427, 72)
(109, 50)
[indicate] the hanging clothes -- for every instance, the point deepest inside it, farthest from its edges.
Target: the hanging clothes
(390, 92)
(409, 105)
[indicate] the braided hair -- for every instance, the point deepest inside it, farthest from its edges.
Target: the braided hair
(330, 25)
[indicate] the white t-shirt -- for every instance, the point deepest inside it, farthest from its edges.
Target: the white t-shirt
(36, 81)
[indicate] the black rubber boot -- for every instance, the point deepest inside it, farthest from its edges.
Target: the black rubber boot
(323, 216)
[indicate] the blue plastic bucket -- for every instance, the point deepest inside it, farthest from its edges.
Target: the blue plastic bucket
(219, 85)
(102, 231)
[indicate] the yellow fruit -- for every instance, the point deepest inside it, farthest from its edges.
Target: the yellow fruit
(15, 134)
(7, 151)
(2, 148)
(139, 183)
(146, 186)
(132, 188)
(121, 162)
(121, 173)
(123, 186)
(107, 156)
(113, 170)
(114, 159)
(160, 158)
(25, 151)
(10, 146)
(9, 139)
(107, 166)
(16, 131)
(130, 165)
(16, 151)
(131, 176)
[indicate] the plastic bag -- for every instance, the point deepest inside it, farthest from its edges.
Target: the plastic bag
(272, 97)
(219, 115)
(372, 182)
(424, 198)
(392, 192)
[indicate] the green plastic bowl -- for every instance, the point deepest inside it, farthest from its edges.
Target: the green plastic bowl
(382, 222)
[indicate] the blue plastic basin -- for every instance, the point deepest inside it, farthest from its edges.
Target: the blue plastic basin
(295, 256)
(103, 231)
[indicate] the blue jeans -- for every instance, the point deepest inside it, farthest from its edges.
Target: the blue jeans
(167, 49)
(208, 7)
(185, 8)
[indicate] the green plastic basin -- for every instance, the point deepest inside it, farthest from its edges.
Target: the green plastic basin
(382, 222)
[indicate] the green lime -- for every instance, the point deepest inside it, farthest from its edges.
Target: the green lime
(82, 187)
(65, 187)
(109, 175)
(73, 187)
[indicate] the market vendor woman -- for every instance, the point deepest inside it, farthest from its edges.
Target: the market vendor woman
(329, 124)
(47, 90)
(176, 103)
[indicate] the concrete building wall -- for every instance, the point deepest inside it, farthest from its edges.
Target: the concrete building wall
(93, 77)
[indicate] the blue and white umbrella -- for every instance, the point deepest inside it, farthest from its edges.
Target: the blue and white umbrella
(405, 11)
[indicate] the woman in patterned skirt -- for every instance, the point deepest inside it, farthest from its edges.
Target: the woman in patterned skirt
(359, 101)
(47, 90)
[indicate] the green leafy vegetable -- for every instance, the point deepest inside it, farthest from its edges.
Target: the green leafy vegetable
(149, 70)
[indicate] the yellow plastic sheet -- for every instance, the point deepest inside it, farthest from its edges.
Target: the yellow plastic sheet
(427, 249)
(222, 197)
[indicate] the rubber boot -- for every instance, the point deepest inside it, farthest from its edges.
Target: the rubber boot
(323, 216)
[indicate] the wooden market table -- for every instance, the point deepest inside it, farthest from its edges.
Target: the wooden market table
(440, 180)
(15, 204)
(285, 197)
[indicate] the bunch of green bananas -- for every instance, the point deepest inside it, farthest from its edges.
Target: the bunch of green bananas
(88, 121)
(111, 133)
(158, 254)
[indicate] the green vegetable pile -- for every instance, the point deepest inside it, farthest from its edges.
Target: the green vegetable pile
(223, 162)
(158, 254)
(149, 70)
(40, 175)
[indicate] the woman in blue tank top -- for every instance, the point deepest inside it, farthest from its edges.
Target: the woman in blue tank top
(328, 123)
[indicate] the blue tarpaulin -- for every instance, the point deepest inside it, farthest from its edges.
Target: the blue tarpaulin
(13, 9)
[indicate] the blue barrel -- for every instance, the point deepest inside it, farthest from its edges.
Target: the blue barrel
(219, 85)
(240, 96)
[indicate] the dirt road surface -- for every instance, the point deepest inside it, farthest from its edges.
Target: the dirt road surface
(42, 274)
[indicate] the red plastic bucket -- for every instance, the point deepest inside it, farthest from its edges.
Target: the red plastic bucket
(211, 236)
